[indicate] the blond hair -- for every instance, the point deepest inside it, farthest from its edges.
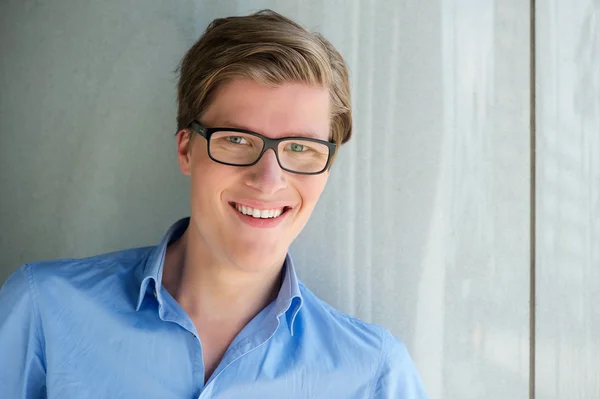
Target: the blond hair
(269, 49)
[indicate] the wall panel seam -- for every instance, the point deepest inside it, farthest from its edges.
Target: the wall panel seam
(532, 205)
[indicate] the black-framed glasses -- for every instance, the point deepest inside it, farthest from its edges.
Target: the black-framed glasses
(239, 147)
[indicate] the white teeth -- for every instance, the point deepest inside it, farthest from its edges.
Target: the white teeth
(259, 213)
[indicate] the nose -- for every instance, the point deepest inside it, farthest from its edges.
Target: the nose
(267, 176)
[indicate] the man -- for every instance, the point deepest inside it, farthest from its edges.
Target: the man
(215, 310)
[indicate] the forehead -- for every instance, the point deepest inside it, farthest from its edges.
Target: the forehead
(286, 110)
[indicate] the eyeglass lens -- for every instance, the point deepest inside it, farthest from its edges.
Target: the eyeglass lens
(304, 156)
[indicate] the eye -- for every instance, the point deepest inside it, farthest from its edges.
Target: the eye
(236, 140)
(295, 147)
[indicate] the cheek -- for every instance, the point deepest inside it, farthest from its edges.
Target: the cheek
(208, 180)
(310, 188)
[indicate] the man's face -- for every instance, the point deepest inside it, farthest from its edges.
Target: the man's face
(246, 242)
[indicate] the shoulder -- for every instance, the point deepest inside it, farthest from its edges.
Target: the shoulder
(397, 375)
(21, 338)
(373, 347)
(340, 340)
(82, 270)
(53, 282)
(16, 291)
(334, 321)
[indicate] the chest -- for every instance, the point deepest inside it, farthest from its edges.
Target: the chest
(214, 344)
(165, 361)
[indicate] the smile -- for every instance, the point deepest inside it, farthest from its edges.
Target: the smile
(259, 213)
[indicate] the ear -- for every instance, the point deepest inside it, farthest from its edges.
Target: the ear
(184, 151)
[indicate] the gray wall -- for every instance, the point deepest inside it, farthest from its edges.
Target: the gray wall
(568, 189)
(425, 225)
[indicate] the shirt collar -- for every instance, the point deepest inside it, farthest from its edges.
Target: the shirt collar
(152, 267)
(288, 301)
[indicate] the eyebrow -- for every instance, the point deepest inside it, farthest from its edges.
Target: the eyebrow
(228, 123)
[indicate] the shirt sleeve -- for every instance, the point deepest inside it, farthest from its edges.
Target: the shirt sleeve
(398, 377)
(22, 361)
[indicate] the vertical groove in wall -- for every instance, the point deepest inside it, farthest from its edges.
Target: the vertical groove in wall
(532, 271)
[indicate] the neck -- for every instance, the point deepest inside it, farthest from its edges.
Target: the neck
(213, 291)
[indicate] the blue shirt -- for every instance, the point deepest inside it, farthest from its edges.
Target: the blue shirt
(104, 327)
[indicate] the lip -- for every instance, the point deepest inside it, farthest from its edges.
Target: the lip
(267, 223)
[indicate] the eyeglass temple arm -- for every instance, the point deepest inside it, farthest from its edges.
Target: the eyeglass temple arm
(201, 130)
